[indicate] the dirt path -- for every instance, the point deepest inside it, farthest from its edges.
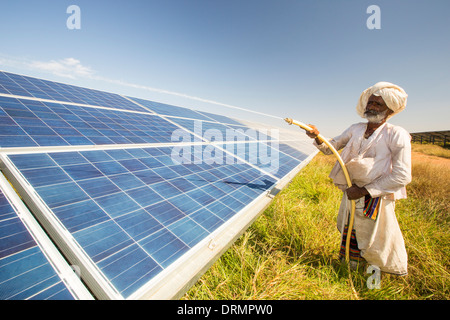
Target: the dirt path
(439, 161)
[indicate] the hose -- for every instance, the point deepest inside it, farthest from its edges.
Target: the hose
(349, 183)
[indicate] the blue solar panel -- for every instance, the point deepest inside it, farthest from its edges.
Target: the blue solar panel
(221, 118)
(25, 272)
(214, 131)
(130, 187)
(168, 110)
(26, 123)
(138, 205)
(31, 87)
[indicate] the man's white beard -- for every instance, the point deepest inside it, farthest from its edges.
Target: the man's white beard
(375, 117)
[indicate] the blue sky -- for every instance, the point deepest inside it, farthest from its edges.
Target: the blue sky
(309, 60)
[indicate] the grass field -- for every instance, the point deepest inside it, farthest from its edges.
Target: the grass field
(291, 251)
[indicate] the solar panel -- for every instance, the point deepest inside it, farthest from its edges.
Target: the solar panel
(26, 123)
(141, 196)
(30, 267)
(18, 85)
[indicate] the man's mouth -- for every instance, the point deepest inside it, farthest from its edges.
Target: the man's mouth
(375, 116)
(371, 113)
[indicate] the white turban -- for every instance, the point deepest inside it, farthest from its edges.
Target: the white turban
(394, 97)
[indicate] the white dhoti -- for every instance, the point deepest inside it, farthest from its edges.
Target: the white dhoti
(381, 240)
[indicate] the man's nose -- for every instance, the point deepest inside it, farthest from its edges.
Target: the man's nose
(371, 106)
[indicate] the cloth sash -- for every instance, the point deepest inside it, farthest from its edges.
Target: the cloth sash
(371, 207)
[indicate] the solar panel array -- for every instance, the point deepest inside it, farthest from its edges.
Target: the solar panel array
(129, 189)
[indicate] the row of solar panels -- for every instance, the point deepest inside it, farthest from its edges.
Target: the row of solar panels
(139, 197)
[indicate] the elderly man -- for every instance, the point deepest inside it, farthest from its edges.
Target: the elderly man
(377, 155)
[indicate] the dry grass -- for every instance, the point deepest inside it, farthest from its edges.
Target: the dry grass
(432, 150)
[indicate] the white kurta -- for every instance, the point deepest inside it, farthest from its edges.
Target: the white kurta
(381, 164)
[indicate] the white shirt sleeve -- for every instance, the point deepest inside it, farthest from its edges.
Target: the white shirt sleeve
(338, 142)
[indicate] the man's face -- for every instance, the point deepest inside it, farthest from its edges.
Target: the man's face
(376, 109)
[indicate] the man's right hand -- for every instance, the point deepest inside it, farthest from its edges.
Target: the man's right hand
(313, 133)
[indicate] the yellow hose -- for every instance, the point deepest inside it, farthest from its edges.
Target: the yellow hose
(349, 183)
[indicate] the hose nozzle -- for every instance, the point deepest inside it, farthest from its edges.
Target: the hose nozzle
(289, 120)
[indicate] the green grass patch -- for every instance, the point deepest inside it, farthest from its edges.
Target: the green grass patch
(291, 251)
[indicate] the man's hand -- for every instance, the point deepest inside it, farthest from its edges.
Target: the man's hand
(355, 192)
(313, 134)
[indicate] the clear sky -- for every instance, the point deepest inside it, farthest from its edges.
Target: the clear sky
(308, 60)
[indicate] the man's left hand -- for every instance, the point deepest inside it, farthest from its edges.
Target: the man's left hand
(355, 192)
